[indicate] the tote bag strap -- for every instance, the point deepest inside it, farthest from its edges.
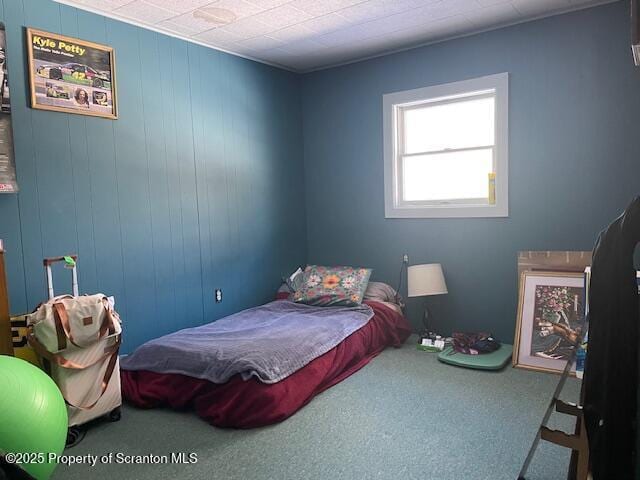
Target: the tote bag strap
(63, 362)
(105, 383)
(63, 326)
(111, 352)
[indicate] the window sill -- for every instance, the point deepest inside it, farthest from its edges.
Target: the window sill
(452, 211)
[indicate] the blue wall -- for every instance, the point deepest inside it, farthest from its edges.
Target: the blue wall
(198, 184)
(195, 186)
(574, 158)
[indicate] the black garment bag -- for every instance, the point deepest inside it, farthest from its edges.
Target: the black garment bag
(611, 371)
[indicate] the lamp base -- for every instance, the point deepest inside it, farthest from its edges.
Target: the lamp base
(426, 320)
(429, 340)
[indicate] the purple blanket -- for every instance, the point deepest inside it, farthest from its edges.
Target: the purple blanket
(271, 342)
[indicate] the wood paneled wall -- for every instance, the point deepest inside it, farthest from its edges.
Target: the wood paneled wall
(197, 185)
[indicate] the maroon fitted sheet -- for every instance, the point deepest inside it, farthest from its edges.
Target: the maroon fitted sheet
(251, 403)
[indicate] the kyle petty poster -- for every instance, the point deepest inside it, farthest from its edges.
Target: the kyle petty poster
(8, 183)
(71, 75)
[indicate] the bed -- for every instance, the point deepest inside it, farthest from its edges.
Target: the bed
(245, 400)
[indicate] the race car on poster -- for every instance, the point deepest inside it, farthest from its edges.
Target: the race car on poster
(75, 73)
(56, 91)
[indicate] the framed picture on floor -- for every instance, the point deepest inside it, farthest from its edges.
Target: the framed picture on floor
(71, 75)
(550, 318)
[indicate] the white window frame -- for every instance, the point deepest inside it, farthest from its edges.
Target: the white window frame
(394, 103)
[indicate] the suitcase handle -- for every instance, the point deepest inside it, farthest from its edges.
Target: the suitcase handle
(47, 262)
(52, 260)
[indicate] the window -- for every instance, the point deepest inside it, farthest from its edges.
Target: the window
(446, 150)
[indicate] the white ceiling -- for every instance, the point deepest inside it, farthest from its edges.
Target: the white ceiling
(304, 35)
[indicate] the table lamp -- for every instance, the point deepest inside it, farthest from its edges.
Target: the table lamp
(425, 280)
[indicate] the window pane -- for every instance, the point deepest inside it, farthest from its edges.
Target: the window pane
(447, 176)
(460, 124)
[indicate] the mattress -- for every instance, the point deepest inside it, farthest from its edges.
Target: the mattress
(250, 403)
(269, 341)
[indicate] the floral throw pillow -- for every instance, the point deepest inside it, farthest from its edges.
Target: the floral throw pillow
(329, 286)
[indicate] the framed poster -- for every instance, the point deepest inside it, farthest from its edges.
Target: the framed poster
(550, 319)
(71, 75)
(8, 182)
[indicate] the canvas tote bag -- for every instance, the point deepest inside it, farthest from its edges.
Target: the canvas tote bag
(79, 338)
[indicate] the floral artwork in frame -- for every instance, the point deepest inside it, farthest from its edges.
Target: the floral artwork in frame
(550, 320)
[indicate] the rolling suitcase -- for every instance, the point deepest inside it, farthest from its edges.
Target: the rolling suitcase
(77, 339)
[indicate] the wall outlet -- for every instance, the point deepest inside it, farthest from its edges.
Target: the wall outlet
(405, 258)
(218, 295)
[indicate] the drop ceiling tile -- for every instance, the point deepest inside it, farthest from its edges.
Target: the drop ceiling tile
(375, 46)
(339, 37)
(395, 22)
(368, 47)
(282, 16)
(369, 10)
(308, 63)
(196, 22)
(178, 29)
(243, 50)
(267, 4)
(418, 16)
(373, 9)
(501, 13)
(330, 56)
(277, 55)
(262, 42)
(292, 33)
(106, 5)
(310, 34)
(240, 8)
(141, 11)
(180, 6)
(248, 27)
(218, 36)
(488, 3)
(539, 7)
(326, 23)
(408, 37)
(323, 57)
(317, 7)
(447, 8)
(585, 3)
(302, 48)
(384, 25)
(447, 27)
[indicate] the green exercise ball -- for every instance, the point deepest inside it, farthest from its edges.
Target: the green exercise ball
(33, 415)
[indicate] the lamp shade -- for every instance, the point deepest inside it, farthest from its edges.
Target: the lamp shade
(426, 279)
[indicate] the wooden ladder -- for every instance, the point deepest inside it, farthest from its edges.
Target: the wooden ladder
(579, 466)
(577, 442)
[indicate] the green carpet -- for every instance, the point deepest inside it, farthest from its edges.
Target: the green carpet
(404, 416)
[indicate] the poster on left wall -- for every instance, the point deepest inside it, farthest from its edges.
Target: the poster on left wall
(8, 182)
(71, 75)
